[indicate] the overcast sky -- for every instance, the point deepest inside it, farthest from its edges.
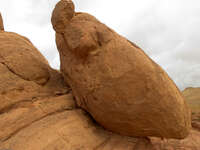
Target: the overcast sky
(167, 30)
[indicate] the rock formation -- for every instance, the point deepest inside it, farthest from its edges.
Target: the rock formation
(115, 81)
(35, 116)
(192, 95)
(29, 65)
(1, 23)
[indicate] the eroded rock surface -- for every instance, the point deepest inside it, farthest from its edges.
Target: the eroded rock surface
(55, 123)
(115, 81)
(192, 96)
(1, 23)
(25, 77)
(22, 58)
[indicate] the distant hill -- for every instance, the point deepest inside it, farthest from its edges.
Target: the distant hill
(192, 96)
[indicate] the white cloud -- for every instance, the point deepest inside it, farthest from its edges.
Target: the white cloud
(167, 30)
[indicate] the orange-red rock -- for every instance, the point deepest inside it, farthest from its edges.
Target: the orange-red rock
(19, 55)
(54, 123)
(115, 81)
(29, 88)
(1, 23)
(24, 72)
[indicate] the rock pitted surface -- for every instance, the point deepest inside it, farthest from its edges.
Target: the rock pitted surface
(115, 81)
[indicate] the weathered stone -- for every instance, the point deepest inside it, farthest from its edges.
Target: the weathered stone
(29, 88)
(71, 129)
(19, 55)
(24, 72)
(192, 96)
(1, 23)
(115, 81)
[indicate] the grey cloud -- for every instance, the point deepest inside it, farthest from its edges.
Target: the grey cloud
(168, 33)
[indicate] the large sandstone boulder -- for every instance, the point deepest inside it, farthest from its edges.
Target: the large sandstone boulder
(115, 81)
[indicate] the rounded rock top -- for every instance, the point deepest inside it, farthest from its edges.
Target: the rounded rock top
(62, 14)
